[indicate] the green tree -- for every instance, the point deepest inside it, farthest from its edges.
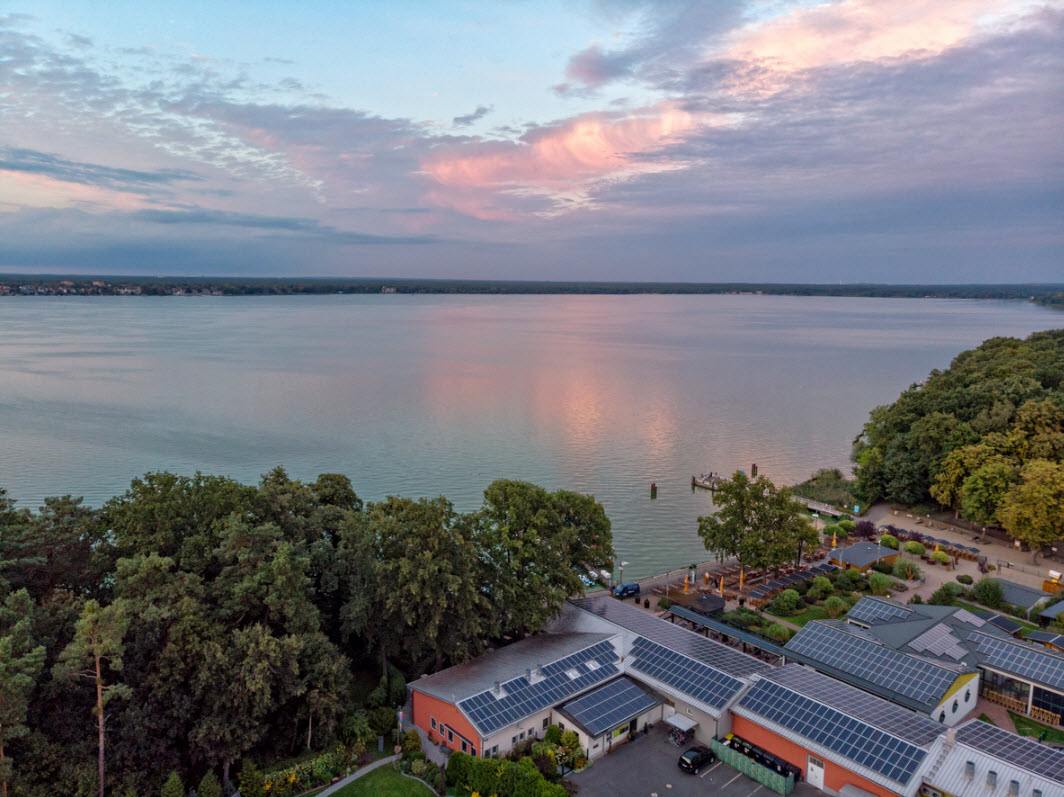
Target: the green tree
(209, 786)
(1033, 510)
(985, 489)
(988, 592)
(251, 780)
(173, 786)
(755, 523)
(21, 661)
(97, 647)
(834, 606)
(878, 583)
(787, 603)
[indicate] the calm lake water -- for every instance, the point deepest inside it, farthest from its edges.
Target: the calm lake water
(423, 395)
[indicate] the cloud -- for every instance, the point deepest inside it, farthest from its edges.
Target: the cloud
(468, 119)
(51, 165)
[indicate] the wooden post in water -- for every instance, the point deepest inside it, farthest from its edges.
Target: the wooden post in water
(654, 489)
(753, 471)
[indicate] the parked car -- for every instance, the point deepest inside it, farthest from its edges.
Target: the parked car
(626, 590)
(696, 759)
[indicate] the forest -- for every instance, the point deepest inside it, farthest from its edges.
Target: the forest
(198, 625)
(984, 438)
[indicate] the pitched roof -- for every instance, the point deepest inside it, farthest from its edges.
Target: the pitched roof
(861, 554)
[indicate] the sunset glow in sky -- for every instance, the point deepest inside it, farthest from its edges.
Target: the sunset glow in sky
(720, 140)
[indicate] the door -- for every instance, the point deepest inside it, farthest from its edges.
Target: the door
(632, 727)
(814, 773)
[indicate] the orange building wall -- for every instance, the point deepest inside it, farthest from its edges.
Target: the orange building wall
(835, 776)
(425, 706)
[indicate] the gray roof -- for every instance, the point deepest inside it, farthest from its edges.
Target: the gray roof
(861, 554)
(609, 706)
(982, 748)
(465, 680)
(718, 656)
(1052, 611)
(1033, 663)
(1020, 595)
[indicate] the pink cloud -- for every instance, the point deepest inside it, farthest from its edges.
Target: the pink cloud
(564, 158)
(860, 30)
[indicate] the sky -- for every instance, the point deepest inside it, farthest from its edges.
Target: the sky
(900, 141)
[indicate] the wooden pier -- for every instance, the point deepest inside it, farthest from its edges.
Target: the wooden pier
(820, 508)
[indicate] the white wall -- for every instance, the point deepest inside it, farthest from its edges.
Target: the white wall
(965, 698)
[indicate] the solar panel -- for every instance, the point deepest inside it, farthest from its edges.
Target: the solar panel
(858, 741)
(966, 616)
(870, 611)
(887, 716)
(1015, 749)
(1046, 638)
(852, 655)
(520, 697)
(608, 706)
(939, 641)
(700, 681)
(721, 657)
(1036, 663)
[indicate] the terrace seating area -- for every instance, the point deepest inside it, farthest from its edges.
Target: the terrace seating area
(760, 595)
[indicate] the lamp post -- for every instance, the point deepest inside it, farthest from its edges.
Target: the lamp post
(622, 565)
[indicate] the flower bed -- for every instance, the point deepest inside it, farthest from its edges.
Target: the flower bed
(311, 773)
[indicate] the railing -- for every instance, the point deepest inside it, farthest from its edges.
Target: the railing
(1019, 706)
(1042, 715)
(762, 774)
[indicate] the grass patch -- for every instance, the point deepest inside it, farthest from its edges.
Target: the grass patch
(384, 782)
(985, 718)
(813, 612)
(1025, 726)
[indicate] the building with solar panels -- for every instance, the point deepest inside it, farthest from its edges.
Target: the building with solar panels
(572, 676)
(1026, 677)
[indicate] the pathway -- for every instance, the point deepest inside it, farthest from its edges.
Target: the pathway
(351, 778)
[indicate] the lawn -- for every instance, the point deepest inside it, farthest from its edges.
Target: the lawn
(811, 613)
(384, 782)
(1025, 726)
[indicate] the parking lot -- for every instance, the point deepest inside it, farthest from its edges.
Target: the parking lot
(647, 766)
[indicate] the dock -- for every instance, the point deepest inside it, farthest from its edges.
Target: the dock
(707, 481)
(818, 507)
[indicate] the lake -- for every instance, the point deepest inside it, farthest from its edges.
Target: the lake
(423, 395)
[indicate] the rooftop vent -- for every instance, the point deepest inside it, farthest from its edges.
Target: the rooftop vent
(991, 779)
(1014, 788)
(969, 770)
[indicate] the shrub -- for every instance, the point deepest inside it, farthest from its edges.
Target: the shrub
(417, 767)
(742, 617)
(396, 686)
(941, 597)
(883, 567)
(209, 786)
(664, 603)
(832, 529)
(553, 735)
(354, 729)
(910, 571)
(847, 526)
(778, 632)
(378, 697)
(411, 743)
(174, 787)
(382, 720)
(456, 766)
(864, 530)
(879, 584)
(570, 741)
(787, 603)
(889, 541)
(834, 606)
(915, 548)
(964, 578)
(941, 557)
(821, 588)
(854, 575)
(251, 781)
(916, 599)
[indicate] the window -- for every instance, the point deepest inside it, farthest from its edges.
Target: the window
(561, 725)
(968, 696)
(955, 706)
(450, 735)
(465, 747)
(521, 736)
(690, 712)
(495, 750)
(546, 722)
(432, 722)
(513, 741)
(473, 751)
(942, 717)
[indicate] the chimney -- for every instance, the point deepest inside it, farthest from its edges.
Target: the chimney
(951, 738)
(528, 675)
(497, 688)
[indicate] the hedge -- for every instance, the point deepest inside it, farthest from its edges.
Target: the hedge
(498, 776)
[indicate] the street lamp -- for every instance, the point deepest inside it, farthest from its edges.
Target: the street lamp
(622, 566)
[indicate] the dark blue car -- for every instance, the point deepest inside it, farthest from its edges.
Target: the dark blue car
(626, 590)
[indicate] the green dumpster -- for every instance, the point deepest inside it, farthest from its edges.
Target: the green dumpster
(762, 774)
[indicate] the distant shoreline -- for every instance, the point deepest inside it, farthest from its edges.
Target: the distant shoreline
(1051, 295)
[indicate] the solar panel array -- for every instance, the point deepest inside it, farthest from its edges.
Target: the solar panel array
(939, 641)
(858, 741)
(966, 616)
(1019, 750)
(887, 716)
(608, 706)
(869, 610)
(849, 654)
(1046, 638)
(1035, 663)
(700, 681)
(520, 697)
(689, 643)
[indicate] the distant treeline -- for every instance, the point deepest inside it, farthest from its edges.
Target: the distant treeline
(1048, 294)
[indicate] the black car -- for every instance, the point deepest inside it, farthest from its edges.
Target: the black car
(696, 759)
